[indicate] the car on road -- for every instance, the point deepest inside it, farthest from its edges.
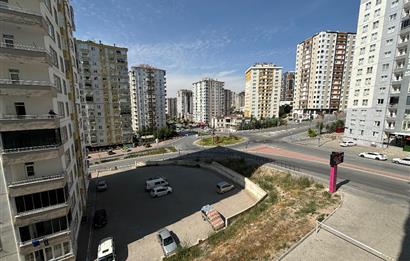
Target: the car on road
(100, 218)
(373, 155)
(160, 191)
(223, 187)
(167, 241)
(155, 182)
(106, 250)
(102, 185)
(404, 161)
(348, 143)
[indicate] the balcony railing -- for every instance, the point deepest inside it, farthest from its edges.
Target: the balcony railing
(26, 82)
(27, 181)
(34, 148)
(29, 117)
(24, 47)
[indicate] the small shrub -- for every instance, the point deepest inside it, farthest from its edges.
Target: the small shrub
(312, 133)
(319, 186)
(304, 182)
(309, 208)
(327, 195)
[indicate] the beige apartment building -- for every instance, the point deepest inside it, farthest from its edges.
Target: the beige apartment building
(208, 100)
(262, 90)
(106, 103)
(322, 76)
(43, 173)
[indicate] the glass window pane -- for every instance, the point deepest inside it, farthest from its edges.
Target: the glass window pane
(48, 228)
(45, 199)
(49, 253)
(28, 200)
(37, 200)
(56, 225)
(53, 197)
(20, 204)
(63, 223)
(24, 234)
(60, 196)
(29, 257)
(57, 251)
(66, 247)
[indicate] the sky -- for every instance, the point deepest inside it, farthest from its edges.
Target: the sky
(192, 39)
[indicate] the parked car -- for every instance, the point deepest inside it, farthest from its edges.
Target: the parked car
(348, 143)
(167, 241)
(102, 185)
(110, 152)
(157, 177)
(404, 161)
(373, 155)
(223, 187)
(213, 217)
(100, 218)
(152, 183)
(160, 191)
(106, 250)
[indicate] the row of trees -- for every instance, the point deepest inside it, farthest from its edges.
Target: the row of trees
(261, 124)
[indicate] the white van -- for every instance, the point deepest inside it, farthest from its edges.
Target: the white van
(106, 250)
(152, 183)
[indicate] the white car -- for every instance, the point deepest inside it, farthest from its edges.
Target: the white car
(404, 161)
(106, 250)
(160, 191)
(155, 182)
(348, 143)
(373, 155)
(167, 241)
(223, 187)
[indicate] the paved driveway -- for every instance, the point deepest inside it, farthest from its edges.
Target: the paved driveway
(134, 217)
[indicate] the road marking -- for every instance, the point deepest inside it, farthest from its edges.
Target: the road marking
(297, 155)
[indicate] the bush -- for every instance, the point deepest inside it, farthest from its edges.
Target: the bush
(309, 208)
(312, 133)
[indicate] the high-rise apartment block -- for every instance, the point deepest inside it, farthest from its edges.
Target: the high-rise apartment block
(239, 101)
(209, 101)
(229, 98)
(171, 109)
(323, 70)
(262, 90)
(106, 105)
(288, 86)
(379, 103)
(184, 104)
(43, 173)
(148, 92)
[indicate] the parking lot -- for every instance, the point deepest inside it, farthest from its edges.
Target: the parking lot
(134, 217)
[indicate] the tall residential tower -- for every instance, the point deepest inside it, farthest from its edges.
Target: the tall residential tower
(209, 101)
(184, 104)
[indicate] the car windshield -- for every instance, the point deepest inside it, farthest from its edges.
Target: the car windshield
(109, 257)
(168, 241)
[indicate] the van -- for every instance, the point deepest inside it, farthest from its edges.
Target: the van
(106, 250)
(152, 183)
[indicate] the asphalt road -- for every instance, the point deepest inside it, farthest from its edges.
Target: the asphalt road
(356, 173)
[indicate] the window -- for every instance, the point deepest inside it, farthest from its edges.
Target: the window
(393, 17)
(380, 101)
(362, 50)
(355, 102)
(385, 67)
(368, 5)
(389, 41)
(62, 64)
(14, 76)
(20, 108)
(408, 100)
(365, 102)
(366, 17)
(365, 28)
(377, 13)
(378, 2)
(371, 59)
(361, 132)
(8, 40)
(375, 25)
(369, 70)
(50, 29)
(29, 166)
(368, 81)
(54, 57)
(58, 41)
(390, 29)
(361, 60)
(387, 54)
(372, 48)
(57, 83)
(366, 92)
(374, 37)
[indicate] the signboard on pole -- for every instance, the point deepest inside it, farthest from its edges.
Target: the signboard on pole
(336, 158)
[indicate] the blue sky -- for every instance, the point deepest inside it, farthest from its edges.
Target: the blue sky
(192, 39)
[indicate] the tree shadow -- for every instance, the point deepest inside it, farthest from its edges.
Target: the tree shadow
(405, 245)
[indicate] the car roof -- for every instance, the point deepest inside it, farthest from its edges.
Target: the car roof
(164, 233)
(101, 181)
(105, 247)
(222, 183)
(154, 180)
(159, 187)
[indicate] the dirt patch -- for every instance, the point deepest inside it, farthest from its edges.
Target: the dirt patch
(267, 230)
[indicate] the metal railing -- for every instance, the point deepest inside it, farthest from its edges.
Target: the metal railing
(33, 148)
(22, 47)
(36, 180)
(30, 117)
(26, 82)
(352, 241)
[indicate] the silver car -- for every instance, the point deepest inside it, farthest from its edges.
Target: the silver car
(167, 241)
(160, 191)
(223, 187)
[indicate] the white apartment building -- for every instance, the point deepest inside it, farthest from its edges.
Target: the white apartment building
(148, 92)
(171, 108)
(208, 100)
(323, 71)
(184, 104)
(43, 173)
(239, 102)
(376, 74)
(107, 105)
(262, 90)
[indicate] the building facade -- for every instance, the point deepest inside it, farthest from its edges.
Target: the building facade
(377, 93)
(287, 87)
(148, 93)
(107, 105)
(185, 104)
(323, 71)
(229, 99)
(43, 173)
(171, 110)
(239, 102)
(262, 90)
(208, 100)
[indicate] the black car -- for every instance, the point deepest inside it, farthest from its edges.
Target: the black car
(100, 218)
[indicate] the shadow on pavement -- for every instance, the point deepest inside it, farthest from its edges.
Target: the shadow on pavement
(405, 245)
(340, 184)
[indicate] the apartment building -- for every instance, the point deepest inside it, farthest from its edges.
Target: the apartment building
(239, 101)
(148, 92)
(184, 104)
(171, 109)
(378, 86)
(208, 100)
(107, 105)
(287, 87)
(262, 90)
(229, 101)
(43, 173)
(323, 71)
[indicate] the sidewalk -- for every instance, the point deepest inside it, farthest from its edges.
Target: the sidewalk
(376, 222)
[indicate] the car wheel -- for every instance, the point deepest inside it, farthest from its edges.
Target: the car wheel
(361, 156)
(377, 158)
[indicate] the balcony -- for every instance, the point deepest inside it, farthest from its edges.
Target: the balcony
(26, 87)
(56, 238)
(28, 122)
(39, 184)
(17, 15)
(19, 50)
(33, 216)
